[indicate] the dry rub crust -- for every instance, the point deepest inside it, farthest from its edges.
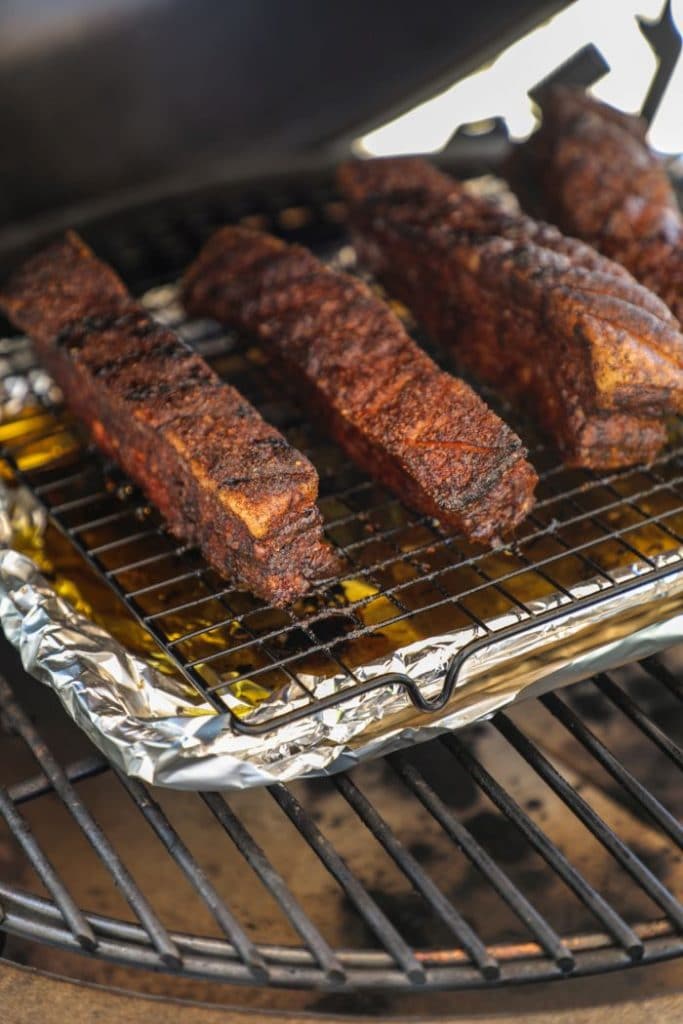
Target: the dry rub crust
(220, 475)
(565, 332)
(594, 175)
(418, 430)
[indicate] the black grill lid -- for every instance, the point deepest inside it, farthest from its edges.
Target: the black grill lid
(95, 98)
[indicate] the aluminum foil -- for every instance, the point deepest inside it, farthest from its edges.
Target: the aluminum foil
(150, 725)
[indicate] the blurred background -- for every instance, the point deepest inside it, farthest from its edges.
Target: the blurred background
(500, 88)
(101, 98)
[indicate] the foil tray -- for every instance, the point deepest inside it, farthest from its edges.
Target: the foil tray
(149, 719)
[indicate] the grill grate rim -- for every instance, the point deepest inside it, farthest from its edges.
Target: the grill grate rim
(547, 954)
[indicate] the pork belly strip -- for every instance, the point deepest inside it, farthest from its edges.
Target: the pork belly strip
(220, 475)
(566, 333)
(420, 431)
(595, 176)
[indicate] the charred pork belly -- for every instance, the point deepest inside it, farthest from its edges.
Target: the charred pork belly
(415, 428)
(591, 172)
(566, 333)
(220, 475)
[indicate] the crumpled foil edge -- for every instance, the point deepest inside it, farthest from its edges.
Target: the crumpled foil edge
(150, 727)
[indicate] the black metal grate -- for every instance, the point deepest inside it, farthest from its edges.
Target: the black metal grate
(405, 580)
(417, 582)
(390, 958)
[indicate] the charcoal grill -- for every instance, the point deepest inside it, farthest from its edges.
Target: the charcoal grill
(542, 845)
(161, 599)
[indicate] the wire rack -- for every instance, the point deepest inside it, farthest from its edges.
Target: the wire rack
(405, 579)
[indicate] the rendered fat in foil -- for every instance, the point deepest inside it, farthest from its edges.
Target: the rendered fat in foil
(151, 726)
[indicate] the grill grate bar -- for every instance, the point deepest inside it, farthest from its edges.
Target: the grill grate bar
(639, 718)
(21, 831)
(663, 676)
(546, 936)
(366, 906)
(666, 821)
(273, 881)
(613, 923)
(469, 940)
(175, 846)
(38, 785)
(624, 856)
(158, 934)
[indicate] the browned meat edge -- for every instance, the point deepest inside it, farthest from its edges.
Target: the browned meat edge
(590, 170)
(566, 333)
(220, 475)
(418, 430)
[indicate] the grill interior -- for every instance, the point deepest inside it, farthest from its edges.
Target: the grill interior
(604, 849)
(405, 579)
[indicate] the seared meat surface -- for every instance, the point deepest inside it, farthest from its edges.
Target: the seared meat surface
(220, 475)
(563, 331)
(592, 173)
(418, 430)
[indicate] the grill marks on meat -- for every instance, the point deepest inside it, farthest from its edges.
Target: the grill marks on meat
(220, 475)
(418, 430)
(598, 180)
(565, 332)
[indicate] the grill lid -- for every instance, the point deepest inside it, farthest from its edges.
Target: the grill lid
(99, 97)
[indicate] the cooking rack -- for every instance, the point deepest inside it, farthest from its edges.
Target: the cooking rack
(404, 579)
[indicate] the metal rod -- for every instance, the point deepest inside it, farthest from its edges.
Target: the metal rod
(554, 858)
(19, 721)
(375, 919)
(38, 785)
(177, 849)
(546, 936)
(624, 856)
(275, 884)
(423, 884)
(640, 719)
(663, 676)
(21, 831)
(666, 821)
